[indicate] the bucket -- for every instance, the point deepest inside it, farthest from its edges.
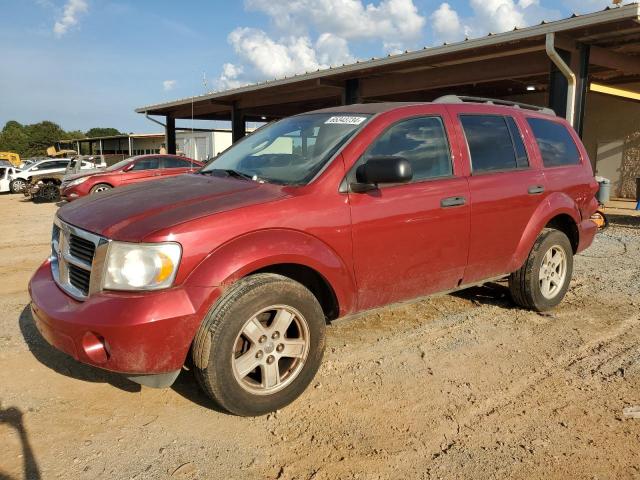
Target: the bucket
(604, 192)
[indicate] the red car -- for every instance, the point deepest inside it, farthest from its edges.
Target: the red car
(314, 217)
(126, 172)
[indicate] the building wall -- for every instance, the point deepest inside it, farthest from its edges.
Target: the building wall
(612, 139)
(202, 145)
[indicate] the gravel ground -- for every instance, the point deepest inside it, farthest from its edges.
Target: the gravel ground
(456, 386)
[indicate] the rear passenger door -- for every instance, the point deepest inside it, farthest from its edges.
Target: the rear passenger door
(175, 166)
(506, 186)
(144, 169)
(411, 239)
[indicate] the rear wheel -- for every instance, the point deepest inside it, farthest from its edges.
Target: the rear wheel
(101, 187)
(18, 185)
(260, 346)
(542, 282)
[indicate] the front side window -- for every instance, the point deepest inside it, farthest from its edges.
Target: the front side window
(150, 163)
(555, 142)
(494, 142)
(422, 141)
(291, 151)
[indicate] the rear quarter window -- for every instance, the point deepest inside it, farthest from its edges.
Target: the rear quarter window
(556, 144)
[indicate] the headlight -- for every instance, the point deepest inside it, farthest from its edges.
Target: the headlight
(134, 266)
(77, 181)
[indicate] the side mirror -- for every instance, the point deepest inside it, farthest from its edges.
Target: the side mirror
(34, 169)
(378, 170)
(128, 167)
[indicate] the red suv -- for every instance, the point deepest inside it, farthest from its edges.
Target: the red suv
(126, 172)
(314, 217)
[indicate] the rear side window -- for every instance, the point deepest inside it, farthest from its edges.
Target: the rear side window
(555, 142)
(495, 143)
(421, 141)
(168, 162)
(146, 164)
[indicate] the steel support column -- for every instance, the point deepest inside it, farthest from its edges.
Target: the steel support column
(559, 87)
(170, 135)
(238, 124)
(351, 92)
(582, 87)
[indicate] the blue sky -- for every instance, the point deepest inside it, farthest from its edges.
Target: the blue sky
(89, 63)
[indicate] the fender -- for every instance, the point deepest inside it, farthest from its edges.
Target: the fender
(260, 249)
(557, 203)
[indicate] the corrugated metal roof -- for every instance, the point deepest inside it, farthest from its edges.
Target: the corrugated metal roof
(609, 14)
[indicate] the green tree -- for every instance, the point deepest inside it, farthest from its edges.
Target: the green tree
(102, 132)
(41, 136)
(13, 137)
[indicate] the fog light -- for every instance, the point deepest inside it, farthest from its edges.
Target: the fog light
(95, 347)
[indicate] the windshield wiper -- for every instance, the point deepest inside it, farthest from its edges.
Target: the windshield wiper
(233, 173)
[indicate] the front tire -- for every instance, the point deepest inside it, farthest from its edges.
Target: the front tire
(260, 346)
(542, 282)
(17, 185)
(101, 187)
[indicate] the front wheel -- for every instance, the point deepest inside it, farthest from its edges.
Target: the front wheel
(101, 187)
(18, 185)
(260, 346)
(542, 282)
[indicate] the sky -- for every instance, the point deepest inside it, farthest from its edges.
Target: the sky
(90, 63)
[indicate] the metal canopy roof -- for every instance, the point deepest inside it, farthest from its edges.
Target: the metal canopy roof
(498, 64)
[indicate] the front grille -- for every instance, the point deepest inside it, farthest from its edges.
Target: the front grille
(81, 248)
(75, 253)
(79, 278)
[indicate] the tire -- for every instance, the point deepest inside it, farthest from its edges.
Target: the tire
(542, 282)
(49, 193)
(18, 185)
(241, 331)
(101, 187)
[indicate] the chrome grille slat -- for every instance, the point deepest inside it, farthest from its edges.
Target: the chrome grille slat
(75, 254)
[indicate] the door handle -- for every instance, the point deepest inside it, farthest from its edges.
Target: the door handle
(452, 202)
(536, 189)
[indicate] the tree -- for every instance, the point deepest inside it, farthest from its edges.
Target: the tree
(102, 132)
(13, 137)
(41, 136)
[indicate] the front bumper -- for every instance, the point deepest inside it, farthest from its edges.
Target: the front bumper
(127, 332)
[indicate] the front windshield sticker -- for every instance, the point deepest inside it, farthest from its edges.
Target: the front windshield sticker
(346, 120)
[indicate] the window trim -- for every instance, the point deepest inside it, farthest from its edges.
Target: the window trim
(472, 173)
(581, 158)
(350, 176)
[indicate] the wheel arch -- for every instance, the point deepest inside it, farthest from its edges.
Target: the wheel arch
(291, 253)
(557, 211)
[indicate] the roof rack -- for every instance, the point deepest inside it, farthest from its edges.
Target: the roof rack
(492, 101)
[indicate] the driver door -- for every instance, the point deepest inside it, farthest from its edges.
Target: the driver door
(410, 240)
(145, 169)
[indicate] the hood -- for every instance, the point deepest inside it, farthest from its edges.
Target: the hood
(85, 173)
(133, 212)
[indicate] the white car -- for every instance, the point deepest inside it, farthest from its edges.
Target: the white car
(6, 175)
(21, 180)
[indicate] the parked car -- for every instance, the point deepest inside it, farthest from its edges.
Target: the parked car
(6, 174)
(241, 265)
(129, 171)
(22, 179)
(86, 163)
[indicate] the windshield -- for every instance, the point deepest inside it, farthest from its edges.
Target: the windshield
(291, 151)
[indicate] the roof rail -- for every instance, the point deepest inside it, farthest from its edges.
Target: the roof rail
(492, 101)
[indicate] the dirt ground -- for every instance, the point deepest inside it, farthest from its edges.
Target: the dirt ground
(457, 386)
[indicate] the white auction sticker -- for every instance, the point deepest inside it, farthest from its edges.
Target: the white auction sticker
(346, 120)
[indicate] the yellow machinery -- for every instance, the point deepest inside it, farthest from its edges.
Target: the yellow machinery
(53, 153)
(13, 158)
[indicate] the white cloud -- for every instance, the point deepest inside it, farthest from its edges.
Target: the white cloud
(265, 58)
(392, 21)
(72, 11)
(168, 85)
(446, 23)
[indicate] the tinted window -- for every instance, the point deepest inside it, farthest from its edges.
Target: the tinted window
(522, 160)
(169, 162)
(146, 164)
(556, 144)
(491, 143)
(422, 141)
